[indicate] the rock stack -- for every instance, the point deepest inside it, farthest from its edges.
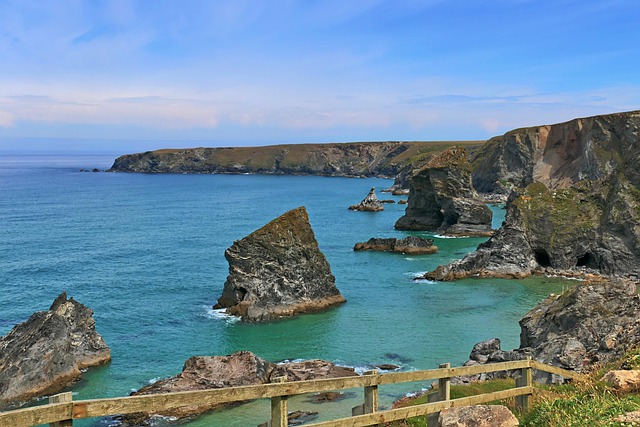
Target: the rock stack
(369, 204)
(278, 271)
(46, 353)
(442, 199)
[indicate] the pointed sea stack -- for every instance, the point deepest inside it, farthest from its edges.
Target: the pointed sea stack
(369, 204)
(46, 353)
(278, 271)
(442, 199)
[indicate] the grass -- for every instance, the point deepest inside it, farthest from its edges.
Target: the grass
(579, 404)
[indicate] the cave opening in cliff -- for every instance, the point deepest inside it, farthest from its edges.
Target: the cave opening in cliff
(587, 260)
(542, 258)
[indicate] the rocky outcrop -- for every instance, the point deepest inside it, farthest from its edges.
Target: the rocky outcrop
(345, 159)
(46, 353)
(442, 199)
(412, 245)
(242, 368)
(592, 322)
(593, 226)
(477, 416)
(278, 271)
(369, 204)
(560, 155)
(486, 352)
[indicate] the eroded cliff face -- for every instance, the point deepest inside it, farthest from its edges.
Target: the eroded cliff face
(593, 226)
(46, 353)
(560, 155)
(442, 198)
(278, 271)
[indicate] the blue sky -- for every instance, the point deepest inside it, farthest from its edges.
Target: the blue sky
(150, 73)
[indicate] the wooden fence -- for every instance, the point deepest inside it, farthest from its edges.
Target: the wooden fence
(62, 410)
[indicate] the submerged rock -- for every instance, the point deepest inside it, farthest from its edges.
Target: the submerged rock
(278, 271)
(443, 200)
(46, 353)
(412, 245)
(238, 369)
(369, 204)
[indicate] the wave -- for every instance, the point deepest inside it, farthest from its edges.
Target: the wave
(440, 236)
(220, 314)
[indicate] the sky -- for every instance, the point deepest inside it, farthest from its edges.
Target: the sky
(144, 74)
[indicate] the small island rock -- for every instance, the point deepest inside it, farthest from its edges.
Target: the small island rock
(412, 245)
(278, 271)
(369, 204)
(46, 353)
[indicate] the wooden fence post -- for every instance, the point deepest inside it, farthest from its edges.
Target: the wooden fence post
(62, 398)
(443, 393)
(523, 403)
(279, 410)
(371, 395)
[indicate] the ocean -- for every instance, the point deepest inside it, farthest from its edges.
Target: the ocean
(146, 253)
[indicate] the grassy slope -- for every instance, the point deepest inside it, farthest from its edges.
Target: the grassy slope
(579, 405)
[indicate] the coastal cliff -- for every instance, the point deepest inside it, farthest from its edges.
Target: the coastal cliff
(332, 159)
(560, 155)
(581, 214)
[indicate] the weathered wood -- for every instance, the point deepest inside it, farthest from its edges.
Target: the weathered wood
(442, 393)
(57, 412)
(371, 396)
(558, 371)
(279, 405)
(525, 379)
(45, 414)
(419, 410)
(62, 398)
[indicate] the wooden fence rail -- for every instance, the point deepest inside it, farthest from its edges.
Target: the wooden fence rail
(61, 411)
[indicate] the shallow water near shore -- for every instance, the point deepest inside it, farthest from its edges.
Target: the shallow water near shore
(146, 253)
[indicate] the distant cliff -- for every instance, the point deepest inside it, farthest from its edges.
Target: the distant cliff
(334, 159)
(560, 155)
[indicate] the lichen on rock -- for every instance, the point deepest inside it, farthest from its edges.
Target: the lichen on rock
(278, 271)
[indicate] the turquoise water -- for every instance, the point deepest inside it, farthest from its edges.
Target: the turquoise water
(145, 252)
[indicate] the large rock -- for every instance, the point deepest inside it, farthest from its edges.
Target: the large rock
(242, 368)
(560, 155)
(278, 271)
(369, 203)
(594, 322)
(623, 381)
(477, 416)
(412, 245)
(47, 353)
(593, 226)
(442, 199)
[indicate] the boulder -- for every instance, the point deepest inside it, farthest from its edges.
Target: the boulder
(242, 368)
(412, 245)
(486, 352)
(477, 416)
(48, 352)
(278, 271)
(623, 381)
(369, 204)
(442, 199)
